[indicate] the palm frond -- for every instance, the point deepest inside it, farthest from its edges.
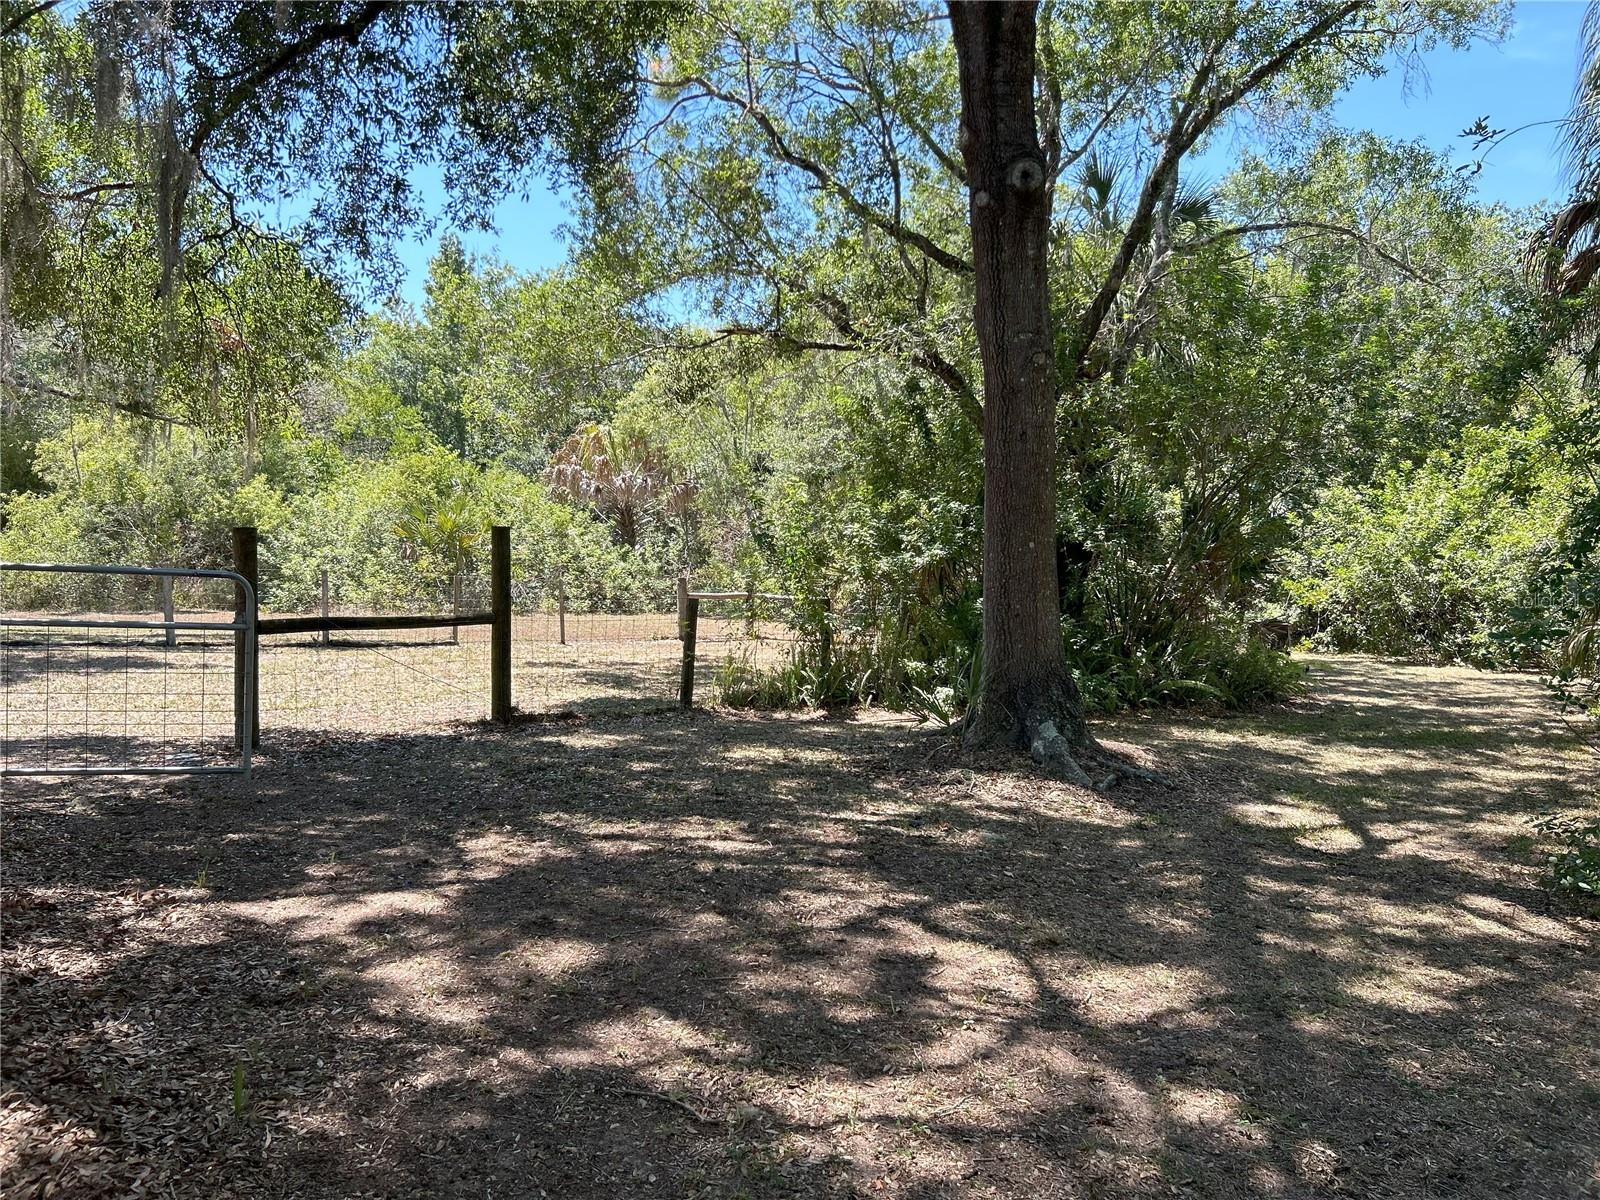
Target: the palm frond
(1561, 254)
(1196, 205)
(1580, 138)
(1564, 256)
(1098, 177)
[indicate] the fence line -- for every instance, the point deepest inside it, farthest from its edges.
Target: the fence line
(517, 645)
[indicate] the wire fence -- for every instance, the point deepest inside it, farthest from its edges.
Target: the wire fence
(82, 698)
(377, 680)
(561, 662)
(87, 684)
(740, 641)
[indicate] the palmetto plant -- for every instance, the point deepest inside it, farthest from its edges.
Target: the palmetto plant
(622, 478)
(447, 530)
(1094, 205)
(1566, 253)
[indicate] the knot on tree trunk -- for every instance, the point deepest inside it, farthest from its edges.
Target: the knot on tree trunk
(1025, 174)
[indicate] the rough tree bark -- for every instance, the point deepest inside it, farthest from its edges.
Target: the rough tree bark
(1026, 696)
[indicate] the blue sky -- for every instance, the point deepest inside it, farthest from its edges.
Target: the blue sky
(1524, 79)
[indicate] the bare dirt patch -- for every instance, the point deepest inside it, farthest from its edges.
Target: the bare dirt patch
(722, 955)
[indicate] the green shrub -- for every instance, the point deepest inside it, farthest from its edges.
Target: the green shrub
(807, 680)
(1257, 674)
(1573, 866)
(1434, 561)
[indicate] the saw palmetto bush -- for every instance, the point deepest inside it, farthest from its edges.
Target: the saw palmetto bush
(622, 478)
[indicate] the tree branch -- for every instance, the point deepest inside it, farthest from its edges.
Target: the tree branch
(253, 79)
(1284, 55)
(776, 336)
(127, 406)
(22, 18)
(1187, 127)
(88, 193)
(824, 177)
(177, 162)
(1355, 235)
(947, 373)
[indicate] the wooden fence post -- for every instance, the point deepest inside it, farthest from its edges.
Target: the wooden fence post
(500, 629)
(245, 563)
(826, 639)
(561, 605)
(455, 606)
(683, 601)
(325, 634)
(167, 609)
(691, 620)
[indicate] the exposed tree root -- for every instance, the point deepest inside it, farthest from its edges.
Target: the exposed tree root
(1053, 751)
(1068, 762)
(1052, 730)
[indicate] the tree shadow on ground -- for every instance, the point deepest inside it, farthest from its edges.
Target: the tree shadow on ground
(729, 956)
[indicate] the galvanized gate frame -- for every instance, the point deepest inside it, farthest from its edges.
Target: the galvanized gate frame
(243, 627)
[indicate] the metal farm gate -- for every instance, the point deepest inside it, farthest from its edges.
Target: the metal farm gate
(102, 673)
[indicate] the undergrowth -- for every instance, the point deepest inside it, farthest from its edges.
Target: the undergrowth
(902, 675)
(1573, 865)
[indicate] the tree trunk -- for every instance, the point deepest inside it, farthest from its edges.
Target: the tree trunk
(1026, 696)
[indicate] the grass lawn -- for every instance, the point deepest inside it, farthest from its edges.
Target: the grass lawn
(725, 955)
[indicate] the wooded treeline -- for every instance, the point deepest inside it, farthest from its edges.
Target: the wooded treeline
(1328, 402)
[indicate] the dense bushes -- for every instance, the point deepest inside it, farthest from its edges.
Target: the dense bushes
(389, 531)
(1439, 560)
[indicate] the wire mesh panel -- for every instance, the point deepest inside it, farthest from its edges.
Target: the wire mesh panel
(111, 670)
(742, 643)
(567, 659)
(378, 680)
(328, 669)
(373, 680)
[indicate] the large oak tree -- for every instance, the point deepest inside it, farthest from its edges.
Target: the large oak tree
(1027, 694)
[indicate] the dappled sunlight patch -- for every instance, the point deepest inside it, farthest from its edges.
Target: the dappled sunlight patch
(1515, 922)
(1317, 1163)
(1312, 825)
(1332, 839)
(1118, 995)
(1201, 1106)
(1268, 1180)
(1414, 987)
(1465, 921)
(1170, 920)
(1290, 814)
(789, 756)
(448, 996)
(552, 960)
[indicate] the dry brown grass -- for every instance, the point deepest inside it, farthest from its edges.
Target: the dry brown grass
(798, 956)
(122, 697)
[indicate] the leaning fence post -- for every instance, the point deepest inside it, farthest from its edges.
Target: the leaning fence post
(167, 609)
(691, 620)
(246, 650)
(500, 629)
(683, 601)
(325, 634)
